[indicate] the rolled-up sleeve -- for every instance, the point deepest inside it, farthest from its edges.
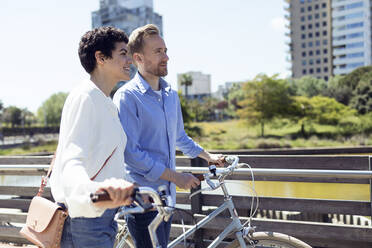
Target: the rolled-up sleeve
(183, 141)
(145, 165)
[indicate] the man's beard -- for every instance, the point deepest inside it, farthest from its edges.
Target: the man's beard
(159, 71)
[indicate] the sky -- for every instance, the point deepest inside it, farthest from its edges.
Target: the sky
(231, 40)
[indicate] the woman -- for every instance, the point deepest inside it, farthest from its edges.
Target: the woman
(90, 153)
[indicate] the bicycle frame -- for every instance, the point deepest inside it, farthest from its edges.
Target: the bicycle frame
(234, 226)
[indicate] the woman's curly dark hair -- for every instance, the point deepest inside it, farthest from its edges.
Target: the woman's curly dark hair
(99, 39)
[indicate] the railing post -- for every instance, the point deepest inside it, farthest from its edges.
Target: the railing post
(197, 203)
(370, 185)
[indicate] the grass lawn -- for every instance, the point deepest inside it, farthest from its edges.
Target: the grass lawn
(235, 134)
(49, 146)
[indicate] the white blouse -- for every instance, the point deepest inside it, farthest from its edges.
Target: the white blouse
(90, 130)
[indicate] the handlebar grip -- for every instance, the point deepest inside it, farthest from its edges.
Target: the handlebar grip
(199, 176)
(223, 161)
(101, 196)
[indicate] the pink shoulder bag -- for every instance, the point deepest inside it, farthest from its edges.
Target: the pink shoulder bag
(45, 219)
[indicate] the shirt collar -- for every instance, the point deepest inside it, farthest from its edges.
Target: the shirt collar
(144, 85)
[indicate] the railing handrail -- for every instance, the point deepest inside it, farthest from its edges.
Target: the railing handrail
(352, 174)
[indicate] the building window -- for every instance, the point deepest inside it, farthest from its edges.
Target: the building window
(318, 70)
(310, 53)
(316, 6)
(316, 34)
(324, 32)
(302, 9)
(324, 24)
(316, 16)
(324, 14)
(303, 45)
(325, 60)
(304, 71)
(317, 43)
(309, 8)
(303, 62)
(324, 5)
(302, 27)
(317, 25)
(310, 26)
(325, 42)
(302, 18)
(325, 51)
(311, 70)
(310, 44)
(303, 36)
(325, 69)
(317, 61)
(326, 78)
(311, 62)
(309, 17)
(303, 54)
(310, 35)
(317, 52)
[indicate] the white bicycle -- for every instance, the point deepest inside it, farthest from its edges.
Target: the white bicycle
(242, 235)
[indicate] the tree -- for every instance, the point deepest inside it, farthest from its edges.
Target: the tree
(235, 95)
(51, 110)
(12, 115)
(308, 86)
(264, 98)
(337, 90)
(362, 95)
(350, 81)
(302, 112)
(186, 80)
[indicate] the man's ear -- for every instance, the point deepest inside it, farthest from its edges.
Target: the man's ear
(100, 58)
(137, 57)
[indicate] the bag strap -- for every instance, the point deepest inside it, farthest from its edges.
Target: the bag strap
(44, 179)
(94, 177)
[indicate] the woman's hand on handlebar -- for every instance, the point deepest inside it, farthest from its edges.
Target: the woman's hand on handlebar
(119, 190)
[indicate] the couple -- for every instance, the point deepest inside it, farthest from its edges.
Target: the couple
(99, 148)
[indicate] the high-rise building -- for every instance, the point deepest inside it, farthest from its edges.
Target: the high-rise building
(351, 23)
(310, 35)
(200, 87)
(126, 14)
(329, 37)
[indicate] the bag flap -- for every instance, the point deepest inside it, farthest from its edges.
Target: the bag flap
(40, 213)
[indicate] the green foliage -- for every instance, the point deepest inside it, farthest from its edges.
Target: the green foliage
(186, 80)
(329, 111)
(308, 86)
(337, 90)
(264, 98)
(235, 95)
(50, 111)
(362, 95)
(186, 114)
(350, 82)
(12, 115)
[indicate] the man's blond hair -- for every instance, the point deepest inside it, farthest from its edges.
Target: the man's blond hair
(136, 38)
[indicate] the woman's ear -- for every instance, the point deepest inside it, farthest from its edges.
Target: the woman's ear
(100, 58)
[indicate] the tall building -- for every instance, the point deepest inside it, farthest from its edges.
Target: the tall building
(310, 45)
(126, 14)
(351, 22)
(329, 37)
(200, 87)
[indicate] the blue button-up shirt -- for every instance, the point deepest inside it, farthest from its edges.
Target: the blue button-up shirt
(154, 128)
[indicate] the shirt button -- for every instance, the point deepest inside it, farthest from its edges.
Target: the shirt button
(159, 99)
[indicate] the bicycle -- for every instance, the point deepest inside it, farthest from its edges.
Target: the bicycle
(245, 234)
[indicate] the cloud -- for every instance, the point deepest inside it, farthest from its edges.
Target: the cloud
(278, 24)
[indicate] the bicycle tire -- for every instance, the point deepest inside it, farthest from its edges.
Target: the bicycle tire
(272, 239)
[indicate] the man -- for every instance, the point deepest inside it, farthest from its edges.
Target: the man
(150, 114)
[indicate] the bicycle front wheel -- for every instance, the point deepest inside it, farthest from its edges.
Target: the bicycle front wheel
(272, 240)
